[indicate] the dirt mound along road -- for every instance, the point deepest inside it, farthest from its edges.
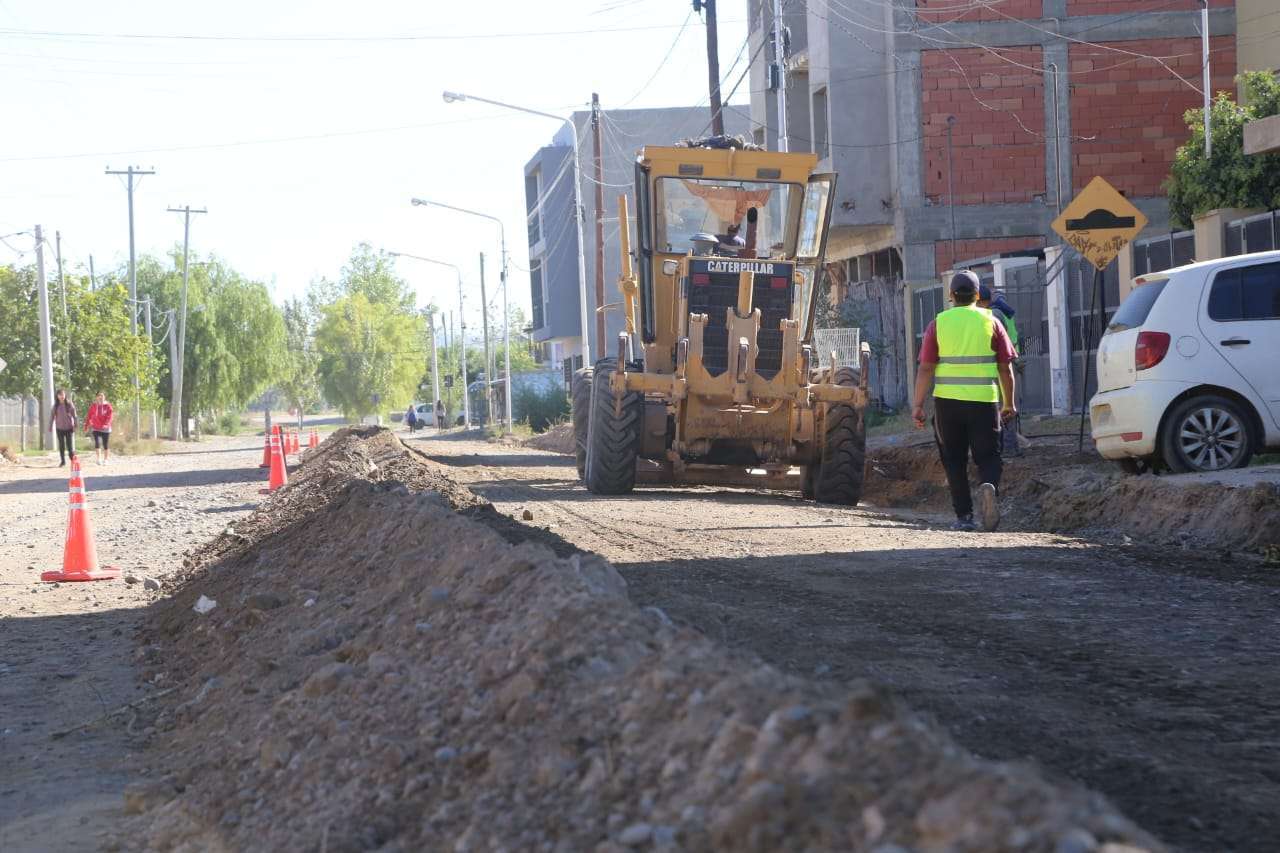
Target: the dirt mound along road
(382, 672)
(558, 439)
(1054, 488)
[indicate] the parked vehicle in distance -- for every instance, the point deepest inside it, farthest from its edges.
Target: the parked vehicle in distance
(1189, 368)
(425, 413)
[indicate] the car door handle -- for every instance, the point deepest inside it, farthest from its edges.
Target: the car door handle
(1235, 342)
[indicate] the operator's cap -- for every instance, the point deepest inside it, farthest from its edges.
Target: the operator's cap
(984, 292)
(965, 281)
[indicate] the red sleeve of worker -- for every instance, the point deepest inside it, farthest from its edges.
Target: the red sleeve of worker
(929, 346)
(1002, 345)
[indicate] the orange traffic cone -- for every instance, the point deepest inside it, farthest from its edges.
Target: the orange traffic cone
(79, 554)
(294, 443)
(313, 441)
(279, 471)
(266, 451)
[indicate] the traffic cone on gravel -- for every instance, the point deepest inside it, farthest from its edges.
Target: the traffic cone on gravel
(294, 444)
(313, 441)
(79, 554)
(279, 472)
(266, 451)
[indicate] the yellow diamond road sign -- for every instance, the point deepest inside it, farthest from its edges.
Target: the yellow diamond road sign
(1099, 223)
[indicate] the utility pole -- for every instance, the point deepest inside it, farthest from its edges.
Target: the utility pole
(174, 349)
(713, 64)
(178, 364)
(599, 167)
(951, 190)
(46, 348)
(93, 283)
(132, 173)
(1208, 85)
(435, 366)
(488, 358)
(780, 74)
(62, 289)
(155, 416)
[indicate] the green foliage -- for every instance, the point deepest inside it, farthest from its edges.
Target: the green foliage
(539, 406)
(103, 351)
(1229, 178)
(368, 349)
(299, 382)
(372, 274)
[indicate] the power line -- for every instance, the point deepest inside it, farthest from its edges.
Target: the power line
(303, 39)
(662, 64)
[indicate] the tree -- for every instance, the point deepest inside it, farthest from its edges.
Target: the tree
(300, 378)
(1229, 178)
(19, 332)
(372, 274)
(370, 355)
(104, 351)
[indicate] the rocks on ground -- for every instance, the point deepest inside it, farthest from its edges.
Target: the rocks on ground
(419, 682)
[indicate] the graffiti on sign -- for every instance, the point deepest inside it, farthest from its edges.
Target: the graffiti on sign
(1099, 223)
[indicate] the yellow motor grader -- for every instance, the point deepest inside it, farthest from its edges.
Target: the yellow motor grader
(715, 380)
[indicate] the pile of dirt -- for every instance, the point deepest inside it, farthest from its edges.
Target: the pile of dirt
(558, 439)
(382, 672)
(1053, 487)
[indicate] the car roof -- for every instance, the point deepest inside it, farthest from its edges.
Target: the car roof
(1218, 262)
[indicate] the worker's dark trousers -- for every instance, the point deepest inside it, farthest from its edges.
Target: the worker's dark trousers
(962, 427)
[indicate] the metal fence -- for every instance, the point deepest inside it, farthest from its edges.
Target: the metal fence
(843, 342)
(12, 413)
(1259, 233)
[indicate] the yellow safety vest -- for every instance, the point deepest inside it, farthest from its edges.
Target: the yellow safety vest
(966, 362)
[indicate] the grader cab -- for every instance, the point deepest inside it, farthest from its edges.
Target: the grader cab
(715, 379)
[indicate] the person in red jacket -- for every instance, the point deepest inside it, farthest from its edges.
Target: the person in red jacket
(98, 420)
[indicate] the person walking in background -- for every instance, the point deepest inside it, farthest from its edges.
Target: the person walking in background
(63, 420)
(966, 358)
(411, 418)
(440, 424)
(98, 420)
(1011, 437)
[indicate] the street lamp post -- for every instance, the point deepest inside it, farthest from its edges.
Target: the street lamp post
(466, 397)
(452, 97)
(506, 305)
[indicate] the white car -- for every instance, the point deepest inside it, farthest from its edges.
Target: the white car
(1189, 368)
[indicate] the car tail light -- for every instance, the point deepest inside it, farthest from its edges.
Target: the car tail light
(701, 278)
(1150, 350)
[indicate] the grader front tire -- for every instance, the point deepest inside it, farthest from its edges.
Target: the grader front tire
(613, 435)
(838, 479)
(580, 396)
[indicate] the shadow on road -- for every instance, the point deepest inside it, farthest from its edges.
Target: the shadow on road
(157, 480)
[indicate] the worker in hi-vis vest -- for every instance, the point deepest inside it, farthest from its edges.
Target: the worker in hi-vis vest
(966, 358)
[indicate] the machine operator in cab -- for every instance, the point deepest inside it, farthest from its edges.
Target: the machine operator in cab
(967, 358)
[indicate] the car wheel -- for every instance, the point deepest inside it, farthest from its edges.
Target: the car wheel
(1206, 434)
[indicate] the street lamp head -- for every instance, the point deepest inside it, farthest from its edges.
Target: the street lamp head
(452, 97)
(417, 202)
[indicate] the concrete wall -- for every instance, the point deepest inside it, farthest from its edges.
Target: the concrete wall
(1258, 46)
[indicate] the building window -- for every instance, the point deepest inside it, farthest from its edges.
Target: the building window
(535, 294)
(531, 205)
(821, 135)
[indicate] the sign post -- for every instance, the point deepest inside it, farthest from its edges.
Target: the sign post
(1098, 223)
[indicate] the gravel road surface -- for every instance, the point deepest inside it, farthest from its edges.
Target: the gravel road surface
(67, 650)
(1150, 674)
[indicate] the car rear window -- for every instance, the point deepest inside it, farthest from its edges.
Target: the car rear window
(1246, 293)
(1137, 305)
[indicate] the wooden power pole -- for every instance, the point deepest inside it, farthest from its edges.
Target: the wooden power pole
(713, 65)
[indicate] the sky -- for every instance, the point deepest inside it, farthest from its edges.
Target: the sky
(305, 127)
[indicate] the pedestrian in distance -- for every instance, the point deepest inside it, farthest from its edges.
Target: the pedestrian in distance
(411, 418)
(63, 420)
(98, 421)
(440, 424)
(966, 358)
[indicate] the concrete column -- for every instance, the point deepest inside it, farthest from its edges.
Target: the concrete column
(1124, 269)
(1210, 231)
(1056, 307)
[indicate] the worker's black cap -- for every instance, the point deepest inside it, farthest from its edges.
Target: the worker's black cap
(984, 292)
(965, 281)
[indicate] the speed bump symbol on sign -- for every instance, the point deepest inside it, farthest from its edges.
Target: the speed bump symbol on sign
(1099, 223)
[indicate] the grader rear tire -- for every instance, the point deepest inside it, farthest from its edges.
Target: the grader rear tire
(580, 396)
(838, 479)
(613, 435)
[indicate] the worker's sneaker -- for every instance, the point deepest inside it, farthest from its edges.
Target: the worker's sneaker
(988, 508)
(964, 522)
